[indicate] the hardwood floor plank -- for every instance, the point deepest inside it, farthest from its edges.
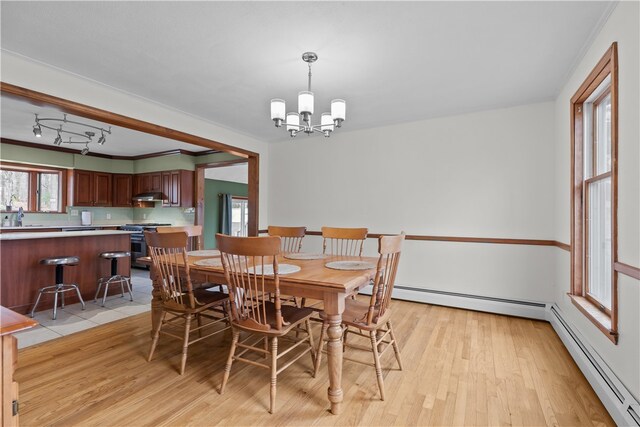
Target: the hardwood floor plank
(460, 368)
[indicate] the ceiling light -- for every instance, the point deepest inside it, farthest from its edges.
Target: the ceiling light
(86, 136)
(328, 122)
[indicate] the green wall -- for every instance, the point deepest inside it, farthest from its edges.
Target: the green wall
(212, 206)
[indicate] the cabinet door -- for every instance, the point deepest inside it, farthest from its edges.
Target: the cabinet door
(174, 188)
(185, 189)
(166, 189)
(156, 182)
(82, 188)
(122, 189)
(102, 189)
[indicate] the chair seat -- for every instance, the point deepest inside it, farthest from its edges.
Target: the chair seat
(355, 314)
(63, 260)
(115, 254)
(291, 315)
(206, 297)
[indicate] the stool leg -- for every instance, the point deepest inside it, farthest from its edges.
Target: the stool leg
(95, 299)
(33, 311)
(121, 285)
(79, 295)
(55, 304)
(106, 289)
(61, 299)
(129, 288)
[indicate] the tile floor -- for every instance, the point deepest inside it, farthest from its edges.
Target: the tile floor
(73, 319)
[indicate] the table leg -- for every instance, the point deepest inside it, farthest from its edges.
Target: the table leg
(333, 307)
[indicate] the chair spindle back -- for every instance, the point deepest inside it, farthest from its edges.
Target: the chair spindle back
(343, 241)
(389, 248)
(168, 253)
(291, 237)
(246, 261)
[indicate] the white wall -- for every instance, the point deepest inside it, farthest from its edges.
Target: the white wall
(487, 174)
(624, 358)
(33, 75)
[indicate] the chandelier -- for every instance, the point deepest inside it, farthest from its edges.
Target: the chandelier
(74, 137)
(328, 121)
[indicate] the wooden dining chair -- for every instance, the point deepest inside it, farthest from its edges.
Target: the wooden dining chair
(193, 231)
(343, 241)
(290, 237)
(372, 320)
(168, 254)
(246, 261)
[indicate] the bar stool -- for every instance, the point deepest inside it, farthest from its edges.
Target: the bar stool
(59, 287)
(115, 277)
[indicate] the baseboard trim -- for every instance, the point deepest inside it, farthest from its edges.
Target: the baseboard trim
(622, 406)
(511, 307)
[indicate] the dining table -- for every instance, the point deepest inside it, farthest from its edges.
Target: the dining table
(313, 280)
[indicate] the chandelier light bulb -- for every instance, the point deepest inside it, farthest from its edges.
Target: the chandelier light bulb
(338, 111)
(278, 108)
(326, 124)
(293, 123)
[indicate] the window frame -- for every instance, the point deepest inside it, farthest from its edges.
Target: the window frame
(34, 179)
(605, 319)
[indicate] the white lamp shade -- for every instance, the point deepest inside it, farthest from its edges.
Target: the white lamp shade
(293, 119)
(305, 102)
(338, 109)
(277, 109)
(326, 122)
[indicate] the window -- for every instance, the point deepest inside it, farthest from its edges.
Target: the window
(594, 181)
(34, 189)
(239, 216)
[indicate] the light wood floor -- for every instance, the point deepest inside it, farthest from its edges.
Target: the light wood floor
(460, 368)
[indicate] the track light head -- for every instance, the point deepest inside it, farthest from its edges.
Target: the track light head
(37, 131)
(85, 150)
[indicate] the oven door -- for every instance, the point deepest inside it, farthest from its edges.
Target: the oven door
(138, 249)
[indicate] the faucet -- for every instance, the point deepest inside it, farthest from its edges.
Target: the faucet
(20, 216)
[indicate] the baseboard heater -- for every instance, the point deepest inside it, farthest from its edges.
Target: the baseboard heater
(622, 406)
(511, 307)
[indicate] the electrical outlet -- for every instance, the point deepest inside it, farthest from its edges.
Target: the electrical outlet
(108, 215)
(74, 212)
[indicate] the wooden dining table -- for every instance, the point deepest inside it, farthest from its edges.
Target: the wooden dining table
(314, 281)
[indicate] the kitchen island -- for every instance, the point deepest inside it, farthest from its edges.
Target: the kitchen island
(22, 275)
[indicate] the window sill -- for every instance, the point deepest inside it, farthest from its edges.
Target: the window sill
(601, 320)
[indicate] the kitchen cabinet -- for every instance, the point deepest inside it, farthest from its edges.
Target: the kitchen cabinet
(147, 183)
(177, 188)
(91, 188)
(122, 190)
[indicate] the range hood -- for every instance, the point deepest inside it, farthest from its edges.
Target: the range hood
(149, 197)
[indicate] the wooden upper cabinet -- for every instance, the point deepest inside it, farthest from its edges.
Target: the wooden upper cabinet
(102, 189)
(155, 182)
(82, 188)
(122, 190)
(177, 188)
(91, 188)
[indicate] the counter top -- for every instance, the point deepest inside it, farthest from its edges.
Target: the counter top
(60, 234)
(12, 322)
(47, 227)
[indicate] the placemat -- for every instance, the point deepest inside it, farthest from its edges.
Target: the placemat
(268, 269)
(204, 252)
(209, 262)
(350, 265)
(305, 256)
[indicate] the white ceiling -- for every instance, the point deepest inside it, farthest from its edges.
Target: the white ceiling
(391, 61)
(18, 118)
(234, 173)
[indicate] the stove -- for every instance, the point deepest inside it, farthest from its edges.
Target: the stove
(138, 245)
